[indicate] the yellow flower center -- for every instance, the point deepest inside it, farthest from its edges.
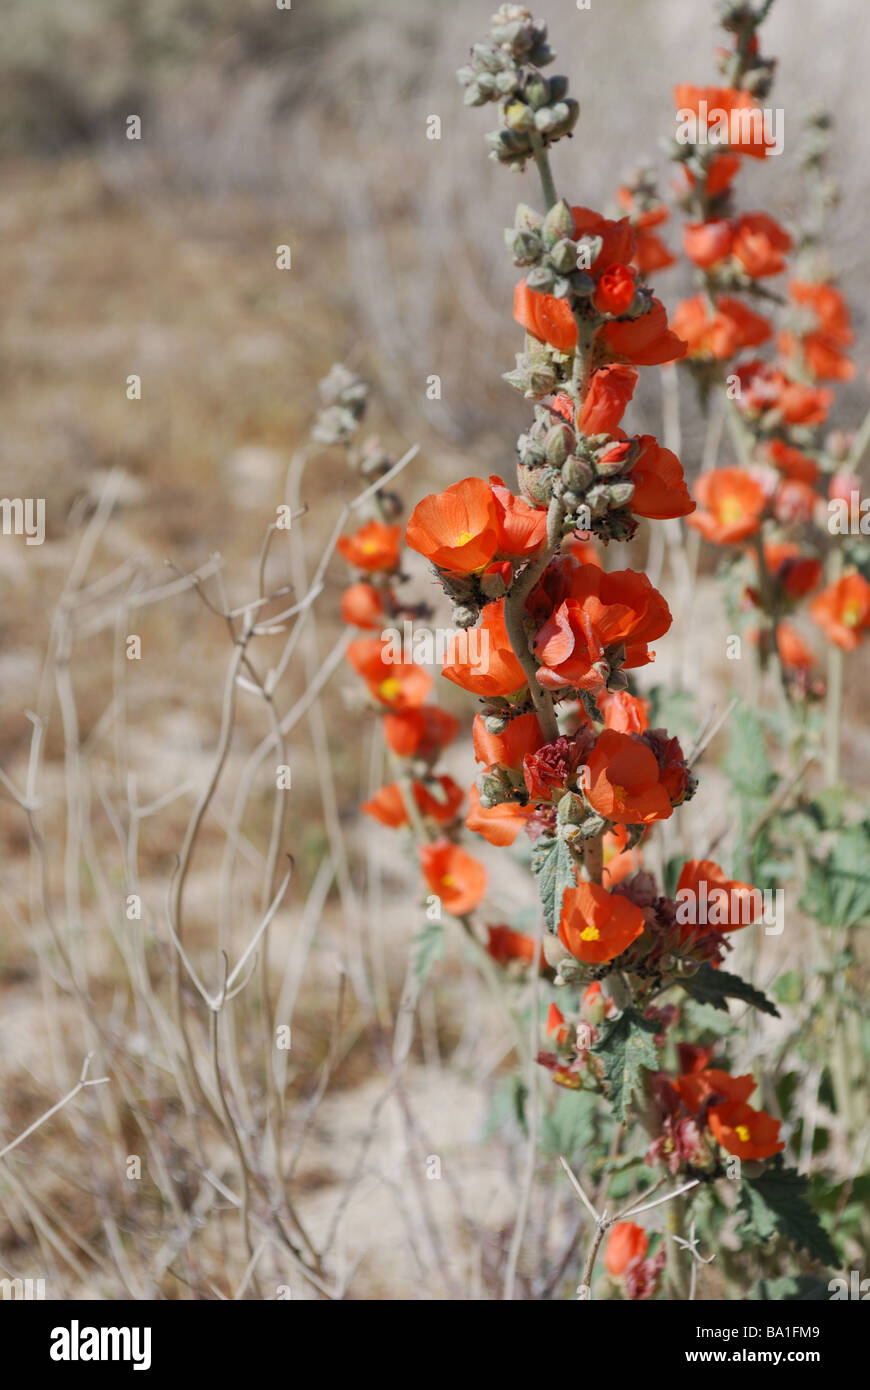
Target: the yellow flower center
(852, 614)
(390, 687)
(742, 1133)
(368, 547)
(590, 934)
(448, 881)
(618, 791)
(730, 509)
(463, 538)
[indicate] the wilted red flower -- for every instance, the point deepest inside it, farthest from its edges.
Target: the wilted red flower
(498, 672)
(552, 769)
(760, 244)
(795, 572)
(419, 733)
(362, 606)
(400, 684)
(732, 502)
(375, 546)
(626, 1243)
(673, 771)
(660, 490)
(498, 825)
(693, 1057)
(455, 876)
(842, 610)
(597, 926)
(603, 611)
(625, 783)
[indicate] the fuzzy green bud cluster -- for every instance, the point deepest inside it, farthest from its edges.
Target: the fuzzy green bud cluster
(559, 262)
(344, 397)
(506, 69)
(591, 474)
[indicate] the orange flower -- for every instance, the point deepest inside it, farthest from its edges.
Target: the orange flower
(399, 684)
(660, 489)
(732, 901)
(545, 317)
(767, 389)
(699, 1087)
(627, 713)
(647, 341)
(651, 254)
(744, 118)
(821, 349)
(455, 876)
(732, 502)
(499, 672)
(499, 825)
(464, 528)
(617, 238)
(597, 926)
(760, 244)
(506, 945)
(705, 243)
(602, 610)
(792, 462)
(373, 547)
(610, 391)
(419, 733)
(842, 610)
(722, 334)
(624, 781)
(388, 804)
(720, 173)
(615, 290)
(556, 1027)
(794, 652)
(619, 862)
(521, 737)
(626, 1244)
(745, 1132)
(362, 606)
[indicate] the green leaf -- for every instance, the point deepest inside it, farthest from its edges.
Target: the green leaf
(838, 888)
(776, 1202)
(626, 1047)
(672, 709)
(553, 867)
(716, 987)
(804, 1288)
(569, 1128)
(427, 948)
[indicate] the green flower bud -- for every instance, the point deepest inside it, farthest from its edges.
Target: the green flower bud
(537, 91)
(526, 247)
(527, 219)
(570, 810)
(558, 442)
(518, 116)
(542, 279)
(558, 223)
(536, 484)
(619, 494)
(495, 723)
(576, 474)
(563, 256)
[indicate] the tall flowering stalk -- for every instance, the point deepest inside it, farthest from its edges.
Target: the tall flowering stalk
(567, 753)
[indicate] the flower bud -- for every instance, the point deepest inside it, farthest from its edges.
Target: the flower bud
(563, 256)
(525, 246)
(536, 484)
(518, 116)
(465, 615)
(570, 810)
(616, 458)
(537, 91)
(542, 279)
(558, 443)
(495, 723)
(619, 494)
(554, 951)
(494, 786)
(576, 474)
(558, 223)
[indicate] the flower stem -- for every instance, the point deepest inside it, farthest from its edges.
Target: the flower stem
(542, 159)
(514, 617)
